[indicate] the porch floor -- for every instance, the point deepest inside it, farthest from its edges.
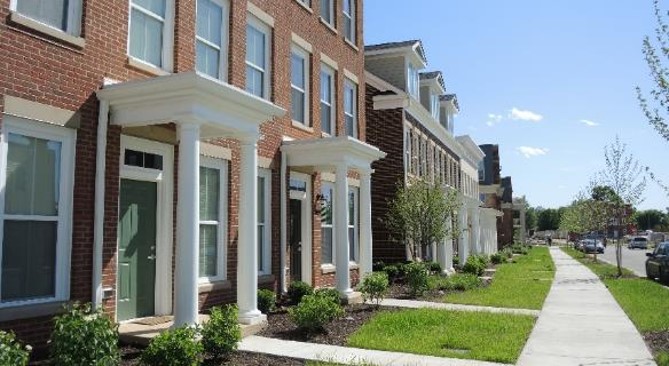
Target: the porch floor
(142, 331)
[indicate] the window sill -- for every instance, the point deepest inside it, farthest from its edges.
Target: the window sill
(45, 29)
(328, 25)
(208, 286)
(302, 126)
(328, 268)
(325, 135)
(351, 44)
(143, 66)
(305, 6)
(31, 311)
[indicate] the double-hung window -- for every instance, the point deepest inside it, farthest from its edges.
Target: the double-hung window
(299, 85)
(150, 32)
(264, 221)
(257, 57)
(211, 35)
(327, 214)
(349, 20)
(63, 15)
(353, 208)
(350, 108)
(328, 121)
(213, 218)
(327, 12)
(36, 178)
(412, 80)
(434, 99)
(407, 150)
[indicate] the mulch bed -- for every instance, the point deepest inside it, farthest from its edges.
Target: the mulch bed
(130, 357)
(657, 341)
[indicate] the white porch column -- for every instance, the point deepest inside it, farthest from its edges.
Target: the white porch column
(365, 223)
(476, 230)
(463, 245)
(445, 251)
(247, 240)
(188, 227)
(341, 231)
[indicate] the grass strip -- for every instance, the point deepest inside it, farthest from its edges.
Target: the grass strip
(522, 285)
(443, 333)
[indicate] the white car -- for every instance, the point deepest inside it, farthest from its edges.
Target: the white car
(638, 242)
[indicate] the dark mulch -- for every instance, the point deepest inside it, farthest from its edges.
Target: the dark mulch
(657, 341)
(131, 354)
(335, 333)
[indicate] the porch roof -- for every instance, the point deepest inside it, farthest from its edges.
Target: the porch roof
(221, 110)
(325, 154)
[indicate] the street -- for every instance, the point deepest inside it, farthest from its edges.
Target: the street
(633, 259)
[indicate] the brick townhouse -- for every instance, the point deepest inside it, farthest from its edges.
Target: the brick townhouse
(490, 186)
(162, 156)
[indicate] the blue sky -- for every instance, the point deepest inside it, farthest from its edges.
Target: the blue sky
(551, 82)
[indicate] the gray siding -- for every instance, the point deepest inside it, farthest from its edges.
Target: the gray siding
(390, 69)
(425, 97)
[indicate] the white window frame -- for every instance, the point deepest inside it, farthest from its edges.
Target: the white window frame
(264, 28)
(331, 9)
(221, 226)
(296, 50)
(330, 185)
(305, 3)
(407, 149)
(266, 246)
(412, 81)
(356, 225)
(351, 85)
(434, 100)
(329, 71)
(223, 47)
(351, 16)
(74, 15)
(168, 35)
(67, 138)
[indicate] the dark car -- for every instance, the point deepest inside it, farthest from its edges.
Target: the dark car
(592, 246)
(657, 264)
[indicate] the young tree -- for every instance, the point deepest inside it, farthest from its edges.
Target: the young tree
(623, 175)
(418, 214)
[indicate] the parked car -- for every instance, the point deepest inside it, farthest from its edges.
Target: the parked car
(657, 264)
(592, 246)
(638, 242)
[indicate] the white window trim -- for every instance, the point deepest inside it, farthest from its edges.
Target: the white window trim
(327, 266)
(168, 36)
(356, 224)
(333, 100)
(352, 16)
(266, 246)
(434, 101)
(306, 4)
(329, 22)
(222, 233)
(223, 48)
(266, 29)
(348, 83)
(299, 51)
(74, 17)
(67, 137)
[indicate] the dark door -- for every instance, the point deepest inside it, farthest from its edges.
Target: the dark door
(136, 249)
(295, 240)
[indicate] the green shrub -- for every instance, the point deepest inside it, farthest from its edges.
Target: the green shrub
(497, 258)
(456, 282)
(374, 287)
(417, 278)
(12, 352)
(433, 267)
(221, 333)
(174, 347)
(330, 293)
(474, 265)
(84, 336)
(392, 270)
(519, 248)
(297, 290)
(266, 300)
(314, 311)
(378, 266)
(456, 261)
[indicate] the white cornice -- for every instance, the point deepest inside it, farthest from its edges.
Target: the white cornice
(326, 153)
(474, 152)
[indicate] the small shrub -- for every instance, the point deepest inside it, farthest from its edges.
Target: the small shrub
(374, 287)
(393, 271)
(297, 290)
(174, 347)
(433, 267)
(12, 352)
(497, 258)
(456, 261)
(266, 300)
(417, 278)
(456, 282)
(330, 293)
(378, 266)
(474, 265)
(221, 333)
(314, 311)
(84, 336)
(518, 248)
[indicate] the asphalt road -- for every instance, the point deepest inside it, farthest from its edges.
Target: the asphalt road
(633, 259)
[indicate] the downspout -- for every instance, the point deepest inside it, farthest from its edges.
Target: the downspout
(283, 230)
(99, 215)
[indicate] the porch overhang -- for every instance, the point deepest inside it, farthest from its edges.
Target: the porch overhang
(326, 153)
(220, 109)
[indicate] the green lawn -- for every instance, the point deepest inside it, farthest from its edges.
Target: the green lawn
(442, 333)
(645, 302)
(522, 285)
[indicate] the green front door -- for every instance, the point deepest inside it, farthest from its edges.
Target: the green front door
(136, 249)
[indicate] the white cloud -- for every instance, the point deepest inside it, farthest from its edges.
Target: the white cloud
(589, 123)
(524, 115)
(493, 119)
(530, 152)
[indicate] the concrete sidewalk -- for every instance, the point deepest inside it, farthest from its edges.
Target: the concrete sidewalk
(415, 304)
(582, 324)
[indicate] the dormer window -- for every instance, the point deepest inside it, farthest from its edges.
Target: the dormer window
(412, 81)
(434, 106)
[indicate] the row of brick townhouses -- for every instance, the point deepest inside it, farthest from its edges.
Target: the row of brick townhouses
(158, 157)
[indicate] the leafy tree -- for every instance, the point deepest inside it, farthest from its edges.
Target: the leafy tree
(548, 219)
(418, 214)
(531, 218)
(651, 220)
